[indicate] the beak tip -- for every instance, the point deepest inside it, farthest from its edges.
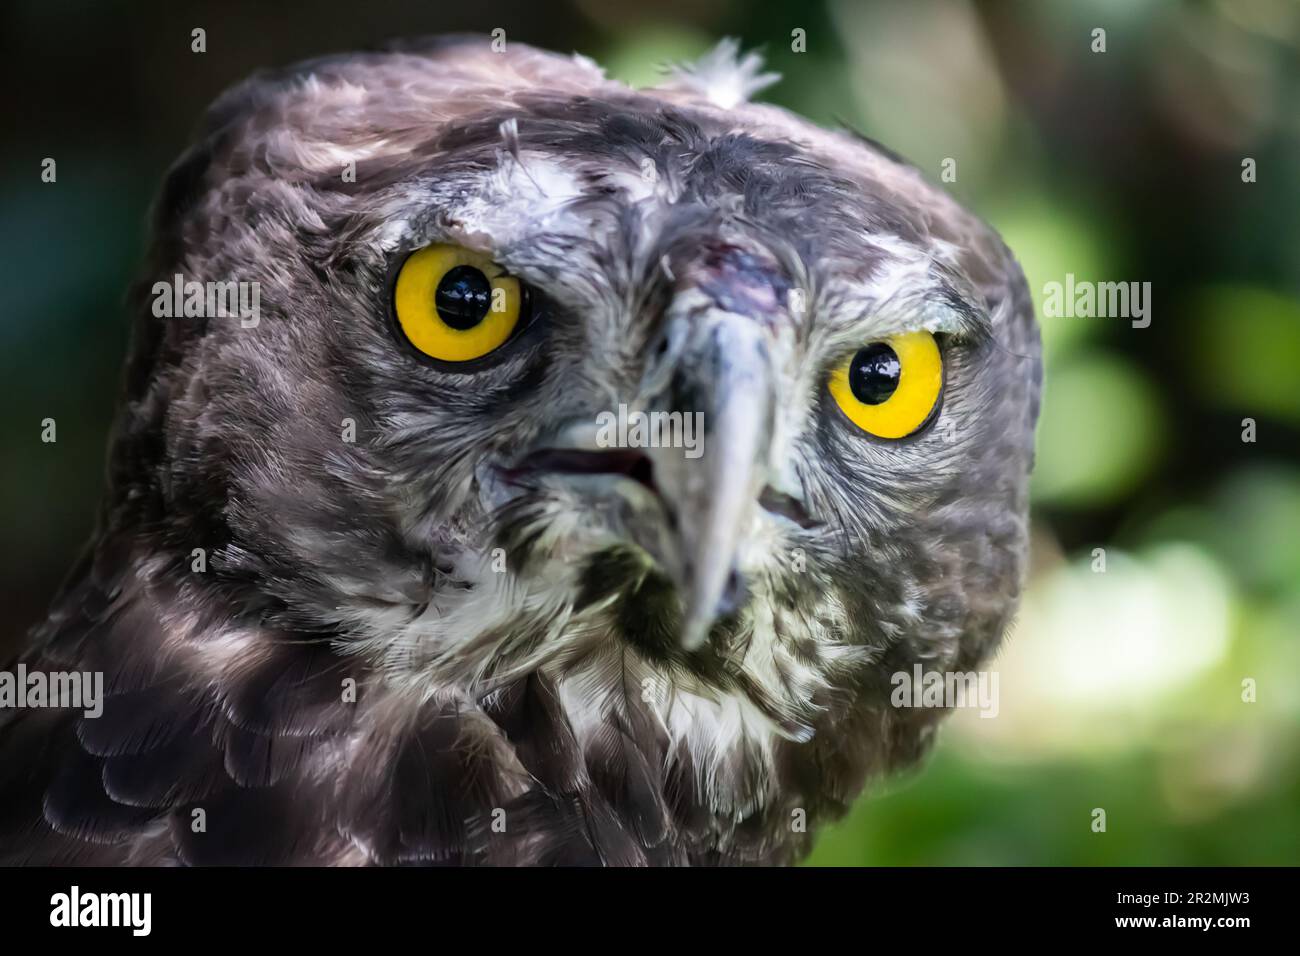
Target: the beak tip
(697, 621)
(694, 633)
(707, 605)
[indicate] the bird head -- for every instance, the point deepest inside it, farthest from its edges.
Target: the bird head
(627, 387)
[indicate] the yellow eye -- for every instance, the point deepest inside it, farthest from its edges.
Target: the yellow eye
(455, 305)
(890, 388)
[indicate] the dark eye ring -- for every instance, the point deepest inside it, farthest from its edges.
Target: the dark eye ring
(456, 308)
(891, 388)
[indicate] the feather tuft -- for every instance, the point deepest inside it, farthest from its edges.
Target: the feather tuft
(722, 76)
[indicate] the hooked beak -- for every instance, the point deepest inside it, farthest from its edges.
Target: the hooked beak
(722, 374)
(714, 382)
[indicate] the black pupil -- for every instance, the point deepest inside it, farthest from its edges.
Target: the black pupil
(873, 375)
(463, 297)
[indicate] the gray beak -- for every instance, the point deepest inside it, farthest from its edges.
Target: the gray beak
(721, 370)
(714, 383)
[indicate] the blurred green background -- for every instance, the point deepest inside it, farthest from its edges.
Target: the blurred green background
(1120, 690)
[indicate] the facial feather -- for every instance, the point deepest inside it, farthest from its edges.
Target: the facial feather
(514, 635)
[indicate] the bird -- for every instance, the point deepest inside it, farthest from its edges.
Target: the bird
(593, 459)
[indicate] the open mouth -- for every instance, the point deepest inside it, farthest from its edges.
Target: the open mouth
(632, 463)
(628, 462)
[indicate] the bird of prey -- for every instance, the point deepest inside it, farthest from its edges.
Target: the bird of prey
(375, 581)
